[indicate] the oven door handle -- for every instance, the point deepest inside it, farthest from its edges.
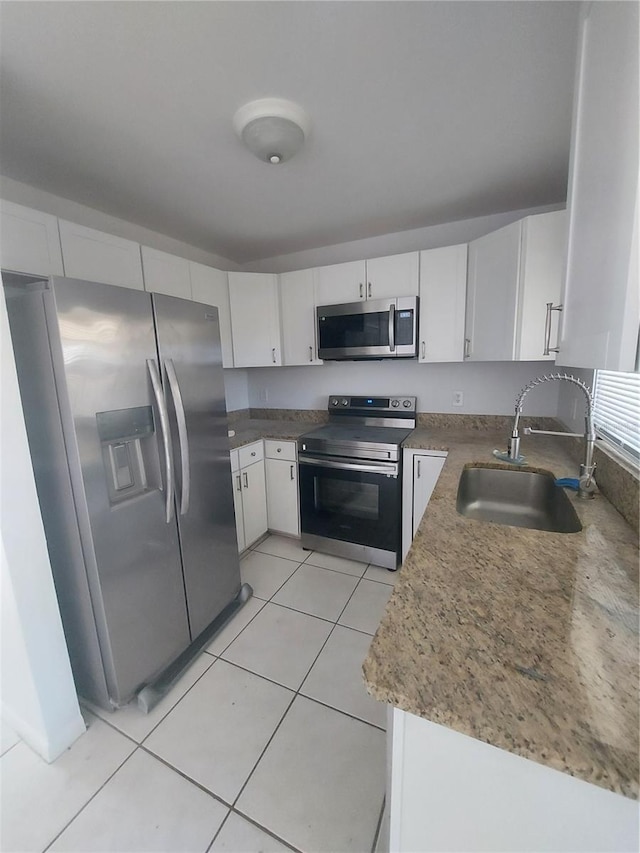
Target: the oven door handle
(389, 469)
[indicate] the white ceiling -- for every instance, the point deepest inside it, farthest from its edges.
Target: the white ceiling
(422, 113)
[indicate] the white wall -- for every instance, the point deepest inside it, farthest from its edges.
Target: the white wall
(571, 400)
(64, 208)
(488, 388)
(38, 694)
(448, 234)
(236, 389)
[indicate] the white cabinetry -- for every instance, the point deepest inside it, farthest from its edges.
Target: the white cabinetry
(377, 278)
(421, 469)
(513, 273)
(250, 497)
(600, 317)
(164, 273)
(210, 286)
(298, 318)
(30, 242)
(95, 256)
(255, 320)
(443, 289)
(452, 792)
(281, 469)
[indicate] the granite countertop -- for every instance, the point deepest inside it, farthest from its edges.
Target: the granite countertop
(253, 429)
(524, 639)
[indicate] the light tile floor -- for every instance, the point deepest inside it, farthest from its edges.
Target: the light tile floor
(269, 742)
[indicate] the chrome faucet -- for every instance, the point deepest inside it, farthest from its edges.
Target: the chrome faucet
(586, 485)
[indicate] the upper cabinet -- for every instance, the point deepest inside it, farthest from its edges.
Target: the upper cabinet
(377, 278)
(210, 286)
(298, 318)
(95, 256)
(164, 273)
(443, 287)
(601, 311)
(29, 241)
(255, 320)
(514, 281)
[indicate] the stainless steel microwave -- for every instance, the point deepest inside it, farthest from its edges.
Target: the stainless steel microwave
(377, 328)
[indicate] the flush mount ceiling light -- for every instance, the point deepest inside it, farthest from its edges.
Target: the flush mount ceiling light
(273, 129)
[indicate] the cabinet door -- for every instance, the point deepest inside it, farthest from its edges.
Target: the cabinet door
(30, 241)
(443, 289)
(237, 507)
(340, 283)
(426, 470)
(255, 324)
(254, 502)
(282, 496)
(164, 273)
(211, 286)
(396, 275)
(600, 316)
(95, 256)
(542, 266)
(494, 262)
(298, 318)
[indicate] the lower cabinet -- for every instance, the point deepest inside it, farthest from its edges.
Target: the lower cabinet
(283, 515)
(421, 469)
(249, 493)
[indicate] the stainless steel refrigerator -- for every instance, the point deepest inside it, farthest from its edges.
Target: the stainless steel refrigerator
(124, 404)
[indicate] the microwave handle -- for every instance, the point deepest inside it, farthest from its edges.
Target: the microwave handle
(392, 327)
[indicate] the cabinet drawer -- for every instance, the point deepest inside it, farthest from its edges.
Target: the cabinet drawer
(280, 450)
(235, 461)
(251, 453)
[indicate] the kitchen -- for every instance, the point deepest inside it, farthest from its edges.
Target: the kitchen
(485, 388)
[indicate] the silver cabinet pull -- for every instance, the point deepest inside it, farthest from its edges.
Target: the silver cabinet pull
(246, 479)
(273, 355)
(418, 471)
(548, 349)
(164, 429)
(183, 437)
(423, 350)
(310, 353)
(369, 290)
(361, 290)
(392, 327)
(292, 476)
(253, 453)
(279, 450)
(239, 489)
(467, 347)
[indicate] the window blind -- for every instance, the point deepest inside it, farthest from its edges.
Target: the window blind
(617, 409)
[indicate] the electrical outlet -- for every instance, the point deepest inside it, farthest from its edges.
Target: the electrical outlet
(458, 398)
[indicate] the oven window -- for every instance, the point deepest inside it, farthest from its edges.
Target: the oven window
(355, 330)
(358, 500)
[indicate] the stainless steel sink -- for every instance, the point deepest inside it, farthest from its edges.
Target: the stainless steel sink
(516, 497)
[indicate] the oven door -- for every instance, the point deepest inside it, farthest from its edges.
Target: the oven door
(351, 500)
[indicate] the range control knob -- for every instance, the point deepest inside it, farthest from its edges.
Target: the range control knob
(334, 401)
(395, 403)
(344, 402)
(406, 404)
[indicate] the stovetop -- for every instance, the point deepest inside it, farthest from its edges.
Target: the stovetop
(343, 434)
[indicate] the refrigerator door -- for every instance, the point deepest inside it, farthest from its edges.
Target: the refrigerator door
(191, 357)
(104, 355)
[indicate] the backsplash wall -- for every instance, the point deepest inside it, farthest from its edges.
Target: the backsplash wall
(488, 388)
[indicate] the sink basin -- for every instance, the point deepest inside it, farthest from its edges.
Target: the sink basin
(515, 497)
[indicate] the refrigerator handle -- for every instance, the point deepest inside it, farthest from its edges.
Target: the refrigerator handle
(164, 428)
(183, 438)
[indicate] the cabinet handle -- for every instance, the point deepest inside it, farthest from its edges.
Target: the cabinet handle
(548, 349)
(253, 453)
(279, 450)
(361, 290)
(369, 290)
(418, 471)
(292, 477)
(239, 489)
(273, 355)
(310, 353)
(246, 479)
(467, 347)
(423, 350)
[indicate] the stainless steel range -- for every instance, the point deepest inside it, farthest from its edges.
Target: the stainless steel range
(351, 479)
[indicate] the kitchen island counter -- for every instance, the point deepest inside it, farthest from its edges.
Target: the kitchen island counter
(523, 639)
